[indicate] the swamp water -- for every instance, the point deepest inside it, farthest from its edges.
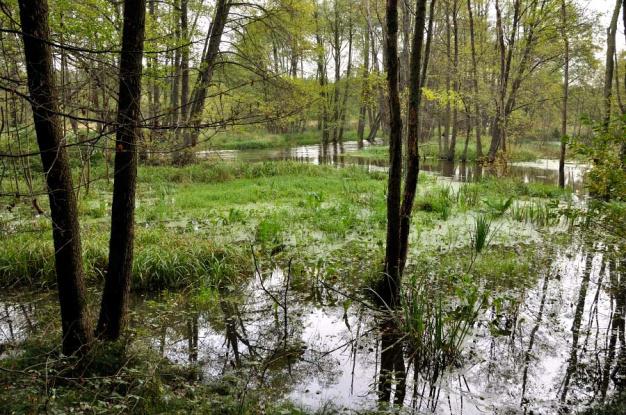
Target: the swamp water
(556, 345)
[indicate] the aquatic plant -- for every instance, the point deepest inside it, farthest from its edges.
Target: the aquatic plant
(480, 233)
(499, 206)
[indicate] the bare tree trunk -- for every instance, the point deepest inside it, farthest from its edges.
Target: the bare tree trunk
(623, 147)
(565, 94)
(337, 57)
(448, 117)
(184, 59)
(610, 63)
(477, 112)
(344, 109)
(199, 93)
(175, 87)
(389, 286)
(321, 70)
(455, 64)
(364, 87)
(65, 227)
(415, 96)
(117, 284)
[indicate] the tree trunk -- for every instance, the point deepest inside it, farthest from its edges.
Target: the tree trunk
(413, 127)
(389, 285)
(364, 87)
(565, 94)
(199, 93)
(455, 64)
(610, 64)
(63, 210)
(337, 56)
(344, 109)
(448, 117)
(184, 59)
(117, 284)
(477, 112)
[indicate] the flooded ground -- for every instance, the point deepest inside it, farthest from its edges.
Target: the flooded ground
(552, 344)
(543, 171)
(553, 347)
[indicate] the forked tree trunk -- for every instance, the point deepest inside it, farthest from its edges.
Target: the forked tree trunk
(388, 289)
(117, 284)
(63, 211)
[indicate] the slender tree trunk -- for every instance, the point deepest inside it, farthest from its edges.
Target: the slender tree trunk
(63, 209)
(364, 87)
(321, 70)
(199, 93)
(176, 71)
(117, 284)
(565, 94)
(337, 56)
(623, 147)
(389, 286)
(184, 59)
(610, 64)
(455, 64)
(448, 116)
(415, 95)
(477, 112)
(344, 109)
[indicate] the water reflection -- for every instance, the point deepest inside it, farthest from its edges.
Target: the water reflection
(339, 154)
(554, 345)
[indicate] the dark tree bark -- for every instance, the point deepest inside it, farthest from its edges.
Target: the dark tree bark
(321, 72)
(346, 91)
(565, 94)
(455, 64)
(610, 64)
(623, 147)
(388, 289)
(63, 210)
(413, 127)
(364, 87)
(477, 112)
(117, 284)
(336, 44)
(176, 69)
(184, 59)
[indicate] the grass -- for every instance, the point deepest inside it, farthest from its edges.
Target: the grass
(122, 378)
(256, 140)
(187, 216)
(528, 151)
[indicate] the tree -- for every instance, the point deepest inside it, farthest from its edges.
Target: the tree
(117, 284)
(565, 93)
(209, 57)
(389, 286)
(399, 210)
(63, 210)
(610, 63)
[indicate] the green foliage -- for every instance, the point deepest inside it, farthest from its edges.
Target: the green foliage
(480, 234)
(607, 178)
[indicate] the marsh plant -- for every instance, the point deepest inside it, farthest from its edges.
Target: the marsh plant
(481, 233)
(437, 315)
